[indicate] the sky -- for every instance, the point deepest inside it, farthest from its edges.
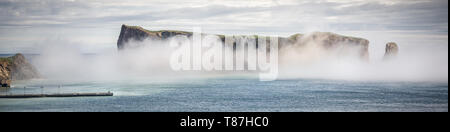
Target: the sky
(94, 25)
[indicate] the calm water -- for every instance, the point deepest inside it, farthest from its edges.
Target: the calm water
(225, 94)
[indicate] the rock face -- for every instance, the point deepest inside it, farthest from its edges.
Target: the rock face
(16, 68)
(391, 50)
(135, 33)
(324, 39)
(332, 41)
(5, 76)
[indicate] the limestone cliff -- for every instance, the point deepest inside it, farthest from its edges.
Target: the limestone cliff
(323, 39)
(332, 41)
(136, 33)
(16, 68)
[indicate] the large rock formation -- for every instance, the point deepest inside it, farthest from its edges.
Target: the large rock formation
(391, 50)
(135, 33)
(323, 39)
(16, 68)
(331, 41)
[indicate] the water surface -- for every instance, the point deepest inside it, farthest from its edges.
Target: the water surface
(232, 95)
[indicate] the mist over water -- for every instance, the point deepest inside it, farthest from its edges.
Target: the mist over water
(150, 60)
(414, 63)
(310, 79)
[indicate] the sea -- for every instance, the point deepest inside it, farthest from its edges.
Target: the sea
(230, 94)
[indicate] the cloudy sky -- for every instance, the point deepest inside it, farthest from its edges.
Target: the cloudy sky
(94, 25)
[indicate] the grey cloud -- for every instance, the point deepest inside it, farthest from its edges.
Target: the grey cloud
(412, 16)
(39, 12)
(429, 16)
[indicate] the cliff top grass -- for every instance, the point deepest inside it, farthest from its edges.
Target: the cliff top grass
(181, 32)
(10, 59)
(154, 32)
(7, 59)
(334, 35)
(295, 36)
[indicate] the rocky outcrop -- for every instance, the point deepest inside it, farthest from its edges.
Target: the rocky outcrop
(16, 68)
(392, 50)
(323, 39)
(5, 73)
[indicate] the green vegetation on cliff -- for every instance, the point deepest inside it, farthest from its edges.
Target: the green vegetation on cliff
(8, 60)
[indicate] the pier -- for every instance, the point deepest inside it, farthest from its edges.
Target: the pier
(57, 95)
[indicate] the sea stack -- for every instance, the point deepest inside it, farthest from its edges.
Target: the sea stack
(16, 68)
(391, 51)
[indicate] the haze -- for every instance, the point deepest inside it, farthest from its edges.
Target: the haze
(420, 27)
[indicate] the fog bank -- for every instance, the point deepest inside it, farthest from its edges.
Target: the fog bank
(65, 61)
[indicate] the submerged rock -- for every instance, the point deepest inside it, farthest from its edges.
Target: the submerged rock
(16, 68)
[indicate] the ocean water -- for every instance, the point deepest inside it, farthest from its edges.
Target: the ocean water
(232, 95)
